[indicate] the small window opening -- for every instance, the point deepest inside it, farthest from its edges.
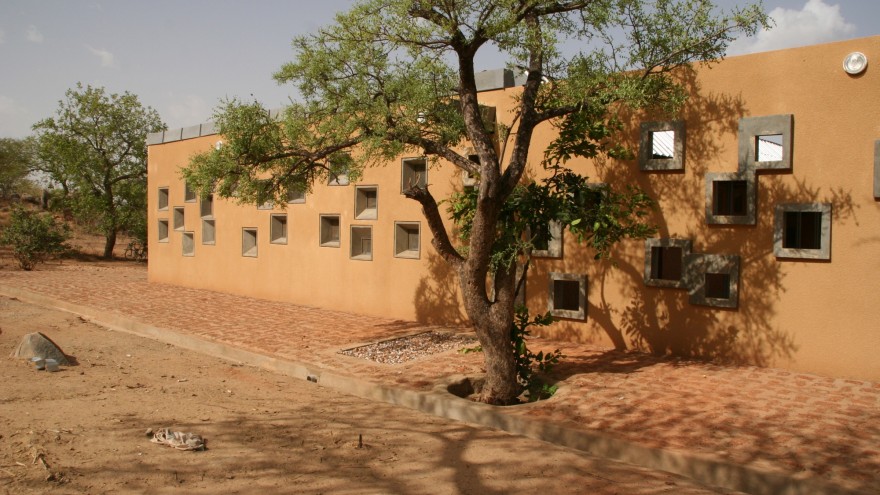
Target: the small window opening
(163, 230)
(803, 230)
(666, 263)
(163, 199)
(415, 173)
(208, 231)
(206, 208)
(189, 194)
(717, 285)
(178, 218)
(189, 244)
(662, 144)
(406, 240)
(361, 243)
(268, 205)
(329, 231)
(339, 171)
(249, 242)
(278, 229)
(730, 197)
(566, 295)
(296, 196)
(366, 203)
(768, 147)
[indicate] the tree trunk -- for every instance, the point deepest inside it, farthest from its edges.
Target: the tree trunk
(501, 387)
(109, 244)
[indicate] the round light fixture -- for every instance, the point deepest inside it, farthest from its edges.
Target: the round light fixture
(855, 63)
(218, 145)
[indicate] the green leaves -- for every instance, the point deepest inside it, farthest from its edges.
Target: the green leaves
(34, 237)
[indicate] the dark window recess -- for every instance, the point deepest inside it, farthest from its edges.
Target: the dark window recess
(566, 295)
(718, 285)
(666, 263)
(803, 230)
(729, 197)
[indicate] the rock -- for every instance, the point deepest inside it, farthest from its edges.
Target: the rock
(38, 345)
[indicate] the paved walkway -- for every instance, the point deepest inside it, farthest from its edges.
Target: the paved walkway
(756, 430)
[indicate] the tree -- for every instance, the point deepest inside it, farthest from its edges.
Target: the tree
(16, 159)
(391, 76)
(95, 147)
(34, 237)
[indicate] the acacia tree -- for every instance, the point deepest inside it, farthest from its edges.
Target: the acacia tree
(95, 147)
(395, 76)
(16, 159)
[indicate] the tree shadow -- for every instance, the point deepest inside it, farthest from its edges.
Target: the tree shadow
(436, 299)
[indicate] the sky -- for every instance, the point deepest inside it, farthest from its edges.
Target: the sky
(182, 57)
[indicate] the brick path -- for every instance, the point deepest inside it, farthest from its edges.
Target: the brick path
(808, 426)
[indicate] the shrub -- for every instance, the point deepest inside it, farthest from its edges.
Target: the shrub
(34, 237)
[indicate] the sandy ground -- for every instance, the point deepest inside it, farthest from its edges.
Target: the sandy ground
(266, 433)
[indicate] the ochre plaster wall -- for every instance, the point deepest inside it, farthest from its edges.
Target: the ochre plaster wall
(817, 316)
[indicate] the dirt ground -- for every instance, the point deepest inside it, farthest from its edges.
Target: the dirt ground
(266, 433)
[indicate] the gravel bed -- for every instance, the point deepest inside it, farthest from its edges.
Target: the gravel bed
(411, 347)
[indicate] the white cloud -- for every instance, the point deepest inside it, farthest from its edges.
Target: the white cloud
(816, 22)
(33, 35)
(186, 110)
(107, 59)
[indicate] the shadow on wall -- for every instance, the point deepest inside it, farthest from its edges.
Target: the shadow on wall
(436, 299)
(661, 320)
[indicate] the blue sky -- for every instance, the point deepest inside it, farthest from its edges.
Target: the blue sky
(183, 56)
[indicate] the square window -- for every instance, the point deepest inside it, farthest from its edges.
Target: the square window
(765, 143)
(549, 244)
(162, 201)
(339, 171)
(361, 242)
(414, 173)
(730, 198)
(329, 230)
(407, 239)
(661, 146)
(713, 280)
(206, 208)
(178, 218)
(209, 230)
(803, 231)
(568, 295)
(162, 230)
(366, 202)
(189, 244)
(278, 229)
(189, 194)
(249, 242)
(296, 196)
(664, 262)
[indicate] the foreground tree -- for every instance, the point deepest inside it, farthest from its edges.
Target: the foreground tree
(95, 148)
(394, 76)
(16, 160)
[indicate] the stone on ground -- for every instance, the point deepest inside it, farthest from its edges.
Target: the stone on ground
(38, 345)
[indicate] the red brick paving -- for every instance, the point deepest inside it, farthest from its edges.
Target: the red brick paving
(807, 425)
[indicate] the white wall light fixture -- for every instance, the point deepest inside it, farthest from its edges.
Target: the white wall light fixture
(855, 63)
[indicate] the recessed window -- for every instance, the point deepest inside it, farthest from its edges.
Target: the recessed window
(189, 244)
(468, 179)
(278, 229)
(661, 146)
(162, 230)
(162, 200)
(548, 243)
(189, 194)
(414, 173)
(765, 143)
(803, 231)
(339, 171)
(249, 242)
(664, 262)
(361, 242)
(209, 230)
(329, 230)
(568, 295)
(407, 239)
(206, 208)
(178, 218)
(296, 196)
(366, 202)
(713, 280)
(730, 197)
(268, 205)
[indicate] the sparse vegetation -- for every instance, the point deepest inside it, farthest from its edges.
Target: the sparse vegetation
(34, 237)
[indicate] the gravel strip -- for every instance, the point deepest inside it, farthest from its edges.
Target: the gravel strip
(405, 349)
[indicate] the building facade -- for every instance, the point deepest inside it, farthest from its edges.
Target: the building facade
(768, 217)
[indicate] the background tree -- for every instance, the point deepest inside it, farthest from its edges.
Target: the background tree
(395, 76)
(16, 160)
(95, 147)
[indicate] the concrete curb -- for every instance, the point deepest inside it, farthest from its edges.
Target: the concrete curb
(704, 469)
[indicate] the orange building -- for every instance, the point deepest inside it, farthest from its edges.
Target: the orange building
(768, 191)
